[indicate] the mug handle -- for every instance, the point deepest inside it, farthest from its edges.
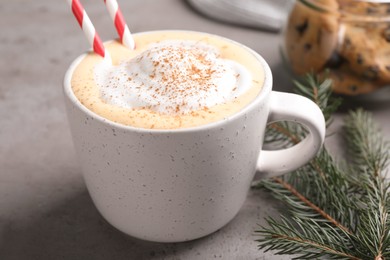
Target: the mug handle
(292, 107)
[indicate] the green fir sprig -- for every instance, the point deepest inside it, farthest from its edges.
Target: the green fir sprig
(334, 211)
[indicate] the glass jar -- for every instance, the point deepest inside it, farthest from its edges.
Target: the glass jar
(348, 41)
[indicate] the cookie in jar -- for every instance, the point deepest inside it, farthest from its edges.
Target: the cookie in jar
(348, 41)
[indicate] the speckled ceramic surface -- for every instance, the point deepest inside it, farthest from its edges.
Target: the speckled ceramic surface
(179, 185)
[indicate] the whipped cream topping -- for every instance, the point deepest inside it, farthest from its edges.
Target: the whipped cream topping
(172, 77)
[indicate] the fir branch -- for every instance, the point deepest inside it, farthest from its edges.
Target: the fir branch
(333, 213)
(369, 152)
(369, 155)
(284, 131)
(327, 187)
(305, 200)
(320, 92)
(313, 214)
(307, 238)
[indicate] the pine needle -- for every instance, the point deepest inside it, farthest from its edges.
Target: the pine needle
(333, 212)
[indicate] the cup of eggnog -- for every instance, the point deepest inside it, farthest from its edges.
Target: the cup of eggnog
(170, 134)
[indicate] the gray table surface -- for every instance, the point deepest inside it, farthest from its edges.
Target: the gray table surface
(45, 209)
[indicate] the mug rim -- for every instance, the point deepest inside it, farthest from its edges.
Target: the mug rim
(265, 90)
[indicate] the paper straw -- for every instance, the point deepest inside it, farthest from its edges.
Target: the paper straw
(87, 27)
(120, 24)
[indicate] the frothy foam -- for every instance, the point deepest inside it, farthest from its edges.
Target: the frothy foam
(173, 77)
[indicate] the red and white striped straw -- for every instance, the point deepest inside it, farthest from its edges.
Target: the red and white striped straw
(87, 27)
(120, 24)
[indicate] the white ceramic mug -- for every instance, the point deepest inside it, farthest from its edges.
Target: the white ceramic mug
(182, 184)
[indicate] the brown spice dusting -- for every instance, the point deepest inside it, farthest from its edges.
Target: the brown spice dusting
(179, 73)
